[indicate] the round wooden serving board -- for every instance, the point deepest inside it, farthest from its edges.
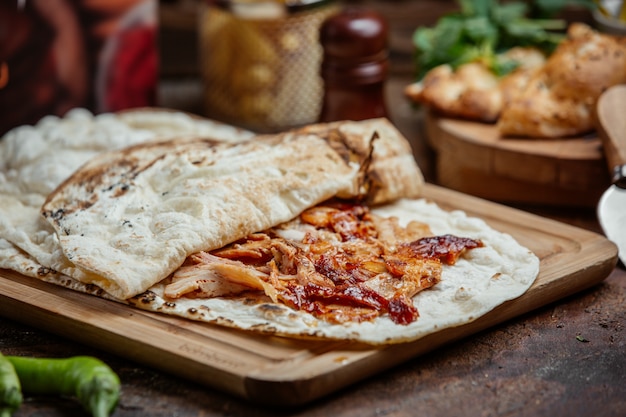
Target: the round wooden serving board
(474, 159)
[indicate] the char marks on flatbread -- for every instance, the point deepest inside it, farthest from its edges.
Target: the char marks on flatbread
(391, 172)
(127, 219)
(34, 160)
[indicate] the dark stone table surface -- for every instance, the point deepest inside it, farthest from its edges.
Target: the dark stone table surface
(565, 359)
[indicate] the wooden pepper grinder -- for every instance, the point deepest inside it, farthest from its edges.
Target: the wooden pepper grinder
(354, 65)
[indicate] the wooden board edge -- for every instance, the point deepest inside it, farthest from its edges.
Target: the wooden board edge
(285, 392)
(534, 174)
(544, 291)
(225, 378)
(318, 385)
(534, 147)
(268, 388)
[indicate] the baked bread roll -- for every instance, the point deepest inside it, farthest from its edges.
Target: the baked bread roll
(473, 91)
(558, 99)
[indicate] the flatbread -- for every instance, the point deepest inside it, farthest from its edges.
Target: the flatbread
(391, 172)
(479, 281)
(473, 91)
(558, 99)
(127, 219)
(482, 279)
(34, 160)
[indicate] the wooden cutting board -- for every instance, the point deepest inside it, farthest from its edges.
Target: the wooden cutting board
(280, 371)
(474, 159)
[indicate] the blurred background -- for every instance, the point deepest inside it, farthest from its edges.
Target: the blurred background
(109, 55)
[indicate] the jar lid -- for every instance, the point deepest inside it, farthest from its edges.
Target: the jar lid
(267, 9)
(355, 34)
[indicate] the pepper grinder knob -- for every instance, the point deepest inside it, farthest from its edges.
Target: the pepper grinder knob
(354, 65)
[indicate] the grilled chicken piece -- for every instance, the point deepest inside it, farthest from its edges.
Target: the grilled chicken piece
(256, 246)
(470, 92)
(202, 281)
(212, 276)
(390, 232)
(558, 99)
(473, 91)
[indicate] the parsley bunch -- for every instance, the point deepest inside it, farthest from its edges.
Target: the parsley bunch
(481, 31)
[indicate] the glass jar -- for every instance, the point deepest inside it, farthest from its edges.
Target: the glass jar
(260, 62)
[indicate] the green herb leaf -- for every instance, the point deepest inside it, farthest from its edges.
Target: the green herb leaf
(509, 12)
(480, 31)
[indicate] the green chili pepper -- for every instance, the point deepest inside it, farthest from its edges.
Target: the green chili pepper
(10, 389)
(95, 385)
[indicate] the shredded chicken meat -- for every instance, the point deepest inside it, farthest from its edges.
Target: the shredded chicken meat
(339, 262)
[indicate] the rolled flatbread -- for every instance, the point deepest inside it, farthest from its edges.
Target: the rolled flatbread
(124, 222)
(127, 219)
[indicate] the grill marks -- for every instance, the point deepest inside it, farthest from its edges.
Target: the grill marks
(216, 193)
(101, 181)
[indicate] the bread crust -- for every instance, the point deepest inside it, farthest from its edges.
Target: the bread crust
(559, 98)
